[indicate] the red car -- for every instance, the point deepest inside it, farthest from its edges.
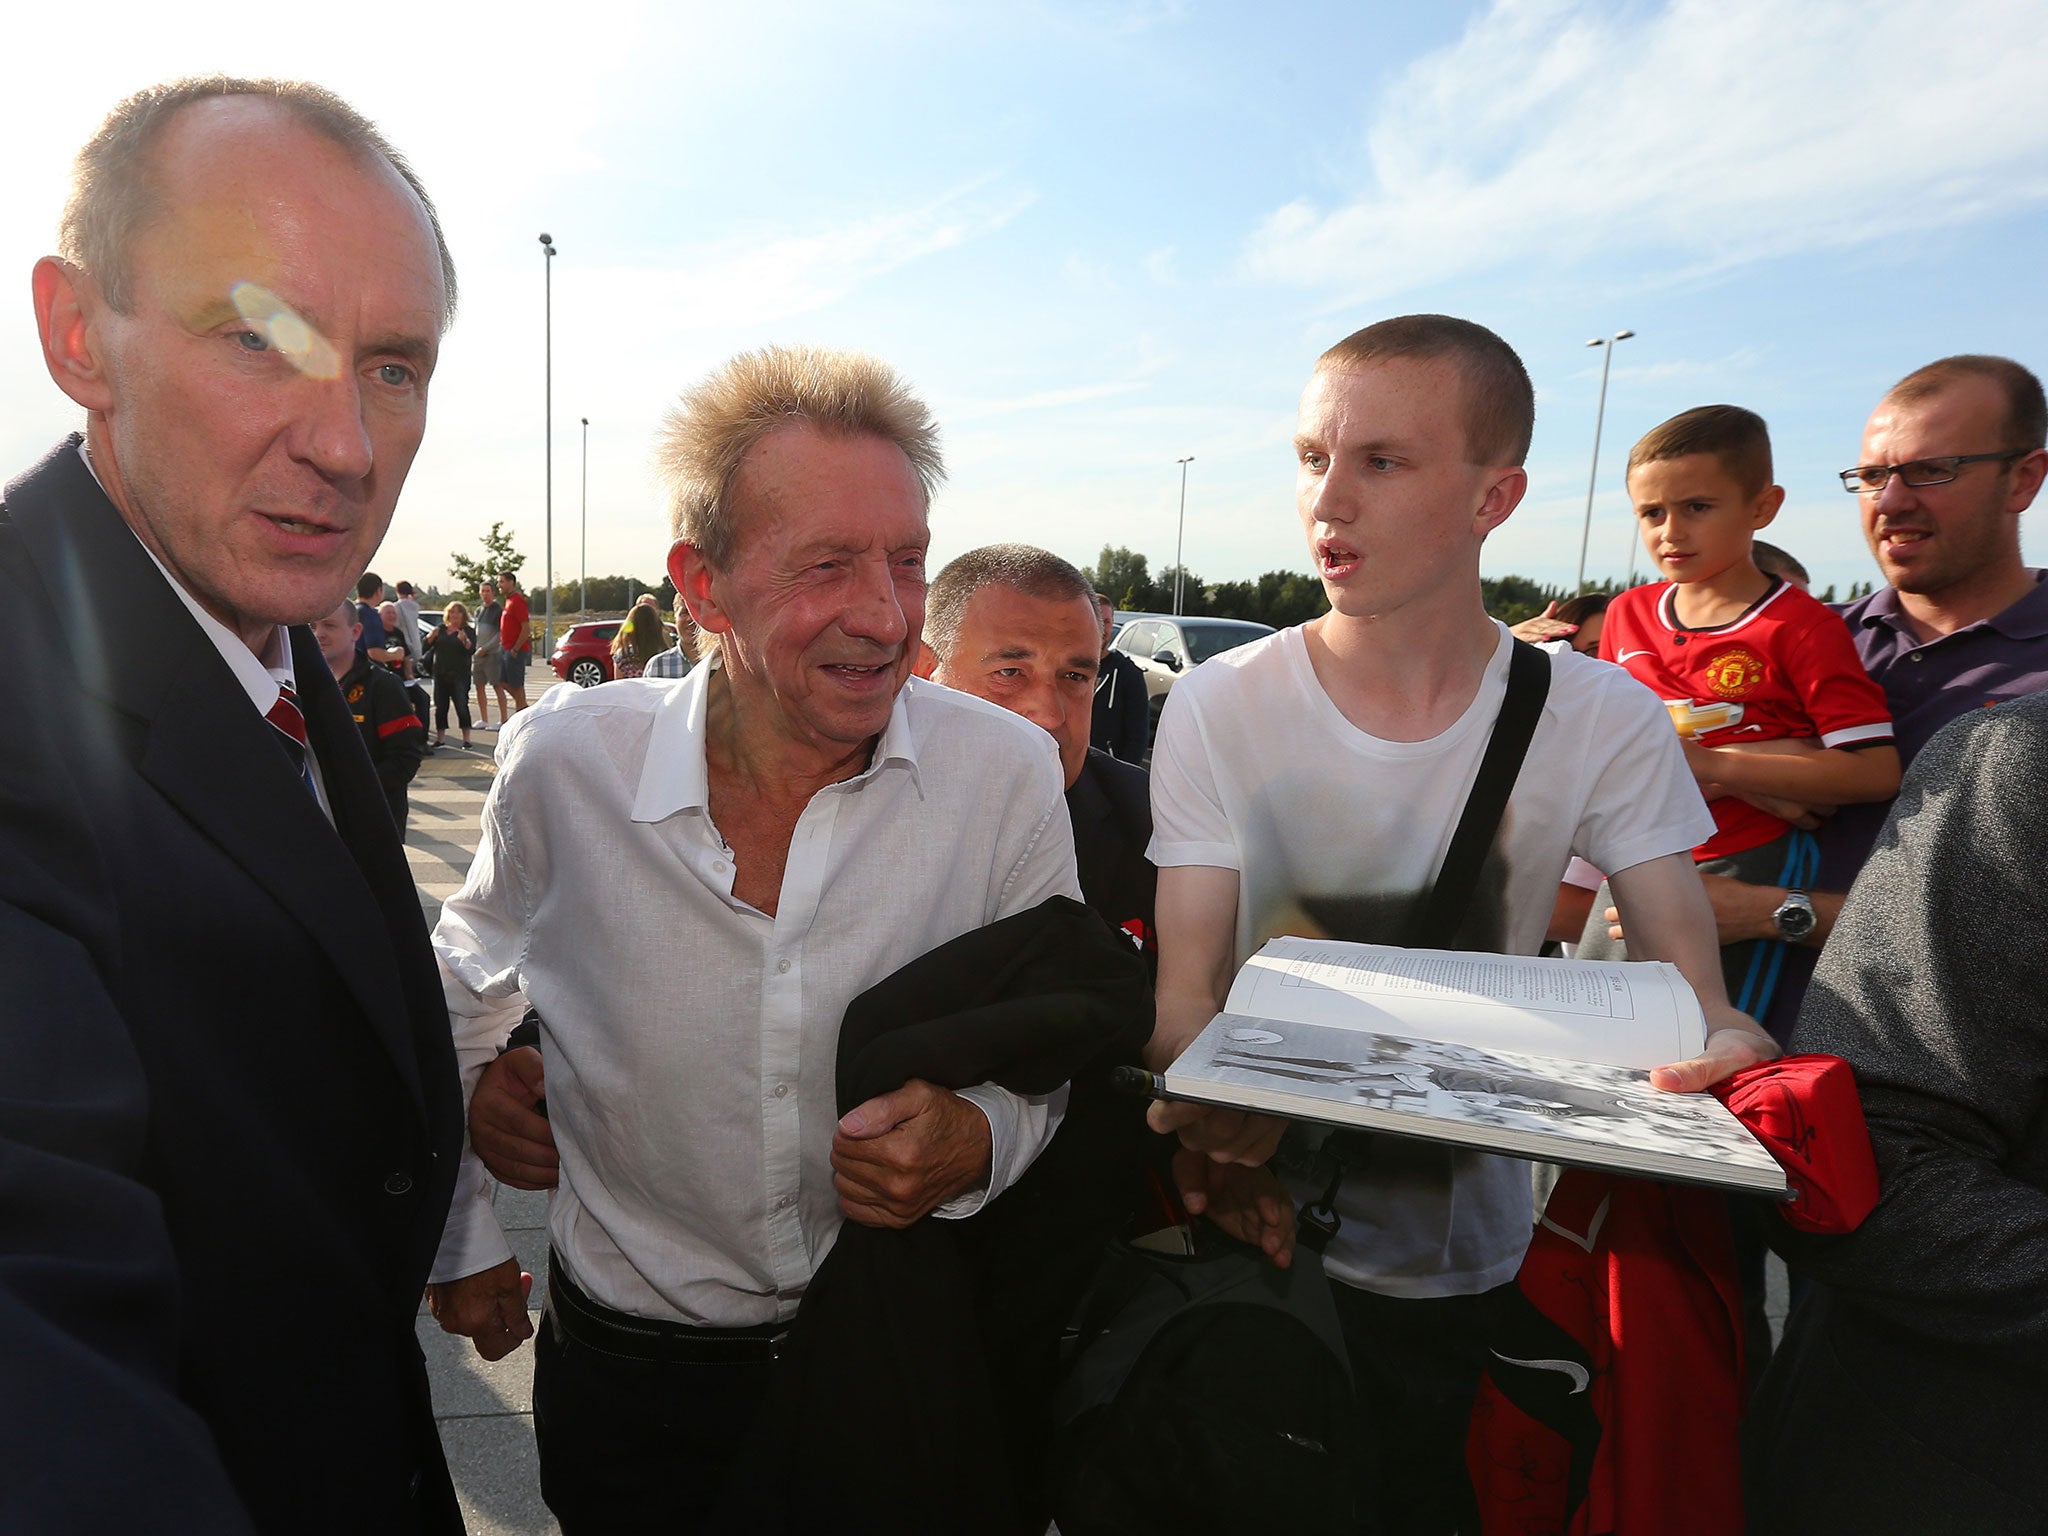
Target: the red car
(583, 655)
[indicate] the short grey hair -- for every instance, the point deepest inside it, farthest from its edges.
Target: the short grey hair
(114, 184)
(1023, 567)
(841, 394)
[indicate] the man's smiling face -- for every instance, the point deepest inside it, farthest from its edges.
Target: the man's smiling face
(1931, 538)
(257, 407)
(822, 601)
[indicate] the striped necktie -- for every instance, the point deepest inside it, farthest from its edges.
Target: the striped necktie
(291, 732)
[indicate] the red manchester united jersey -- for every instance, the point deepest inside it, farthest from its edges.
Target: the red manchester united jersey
(1787, 667)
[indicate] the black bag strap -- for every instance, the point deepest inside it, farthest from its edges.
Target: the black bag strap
(1435, 922)
(1436, 919)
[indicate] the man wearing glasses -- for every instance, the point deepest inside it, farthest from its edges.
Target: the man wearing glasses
(1906, 1395)
(1951, 457)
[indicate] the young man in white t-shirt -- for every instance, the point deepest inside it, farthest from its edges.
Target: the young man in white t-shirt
(1309, 784)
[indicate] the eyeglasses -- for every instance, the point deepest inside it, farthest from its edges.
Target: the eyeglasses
(1871, 478)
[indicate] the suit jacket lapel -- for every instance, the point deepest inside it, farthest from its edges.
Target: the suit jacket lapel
(207, 751)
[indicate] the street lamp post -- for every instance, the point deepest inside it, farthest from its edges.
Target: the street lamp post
(547, 245)
(583, 581)
(1180, 536)
(1599, 420)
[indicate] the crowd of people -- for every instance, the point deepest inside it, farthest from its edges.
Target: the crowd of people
(795, 966)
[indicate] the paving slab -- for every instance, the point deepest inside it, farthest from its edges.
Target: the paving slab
(496, 1476)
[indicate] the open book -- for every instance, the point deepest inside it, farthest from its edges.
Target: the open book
(1546, 1059)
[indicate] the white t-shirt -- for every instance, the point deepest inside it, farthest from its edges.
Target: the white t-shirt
(1335, 833)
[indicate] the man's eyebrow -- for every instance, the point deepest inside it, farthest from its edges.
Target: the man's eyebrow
(419, 350)
(1091, 661)
(1011, 652)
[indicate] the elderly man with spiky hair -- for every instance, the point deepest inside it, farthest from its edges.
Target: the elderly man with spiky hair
(690, 883)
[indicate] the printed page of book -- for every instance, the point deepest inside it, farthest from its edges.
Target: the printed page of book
(1617, 1013)
(1504, 1101)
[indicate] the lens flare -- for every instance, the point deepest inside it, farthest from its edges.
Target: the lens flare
(286, 331)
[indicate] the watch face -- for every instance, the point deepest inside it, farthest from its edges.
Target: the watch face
(1795, 919)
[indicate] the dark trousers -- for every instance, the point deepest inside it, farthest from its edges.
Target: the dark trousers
(451, 690)
(1416, 1362)
(631, 1445)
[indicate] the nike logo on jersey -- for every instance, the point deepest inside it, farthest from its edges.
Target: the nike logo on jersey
(1623, 656)
(1580, 1377)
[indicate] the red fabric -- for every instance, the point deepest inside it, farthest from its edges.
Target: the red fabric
(513, 632)
(1611, 1403)
(1785, 1103)
(1785, 668)
(399, 723)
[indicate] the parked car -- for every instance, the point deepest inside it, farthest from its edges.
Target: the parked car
(1164, 647)
(583, 655)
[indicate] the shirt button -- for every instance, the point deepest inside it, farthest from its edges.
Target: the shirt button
(785, 1202)
(782, 1090)
(719, 865)
(1917, 655)
(782, 967)
(397, 1184)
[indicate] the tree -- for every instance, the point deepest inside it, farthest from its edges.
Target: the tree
(1122, 576)
(497, 555)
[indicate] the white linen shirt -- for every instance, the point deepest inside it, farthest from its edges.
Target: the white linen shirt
(691, 1039)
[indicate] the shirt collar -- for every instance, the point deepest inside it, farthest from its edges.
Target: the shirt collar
(675, 776)
(260, 677)
(2026, 619)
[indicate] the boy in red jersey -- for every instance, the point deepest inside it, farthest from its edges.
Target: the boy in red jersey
(1742, 659)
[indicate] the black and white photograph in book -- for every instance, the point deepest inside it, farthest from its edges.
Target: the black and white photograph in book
(1564, 1111)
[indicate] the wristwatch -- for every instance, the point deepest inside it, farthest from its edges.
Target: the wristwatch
(1794, 919)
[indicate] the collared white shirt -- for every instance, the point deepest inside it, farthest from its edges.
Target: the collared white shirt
(691, 1039)
(259, 676)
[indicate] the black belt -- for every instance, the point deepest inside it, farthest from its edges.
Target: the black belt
(649, 1338)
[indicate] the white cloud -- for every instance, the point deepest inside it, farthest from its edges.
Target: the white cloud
(1700, 136)
(755, 282)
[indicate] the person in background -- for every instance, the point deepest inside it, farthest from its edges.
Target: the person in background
(1776, 562)
(409, 628)
(490, 655)
(1773, 561)
(638, 641)
(451, 648)
(675, 661)
(405, 668)
(374, 641)
(1953, 457)
(1122, 724)
(1741, 659)
(515, 635)
(1574, 623)
(393, 733)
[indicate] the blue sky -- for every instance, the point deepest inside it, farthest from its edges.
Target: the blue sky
(1099, 237)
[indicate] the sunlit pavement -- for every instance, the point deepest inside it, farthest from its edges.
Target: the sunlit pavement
(485, 1411)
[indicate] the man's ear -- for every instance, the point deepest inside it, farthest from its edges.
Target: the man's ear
(67, 304)
(1502, 497)
(927, 661)
(1767, 505)
(692, 575)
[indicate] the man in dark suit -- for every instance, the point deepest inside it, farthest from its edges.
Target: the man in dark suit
(1123, 715)
(231, 1120)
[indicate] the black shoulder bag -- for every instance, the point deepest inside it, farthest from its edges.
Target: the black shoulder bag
(1436, 919)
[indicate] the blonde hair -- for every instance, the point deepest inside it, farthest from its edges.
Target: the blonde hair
(707, 433)
(840, 394)
(113, 181)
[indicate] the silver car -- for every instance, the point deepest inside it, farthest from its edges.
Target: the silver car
(1164, 647)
